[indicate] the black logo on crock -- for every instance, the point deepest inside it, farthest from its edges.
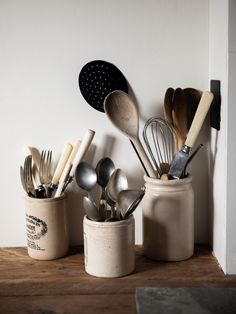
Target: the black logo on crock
(36, 228)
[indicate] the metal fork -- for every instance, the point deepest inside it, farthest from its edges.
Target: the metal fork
(28, 176)
(45, 176)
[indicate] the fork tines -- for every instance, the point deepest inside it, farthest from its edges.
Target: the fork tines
(45, 176)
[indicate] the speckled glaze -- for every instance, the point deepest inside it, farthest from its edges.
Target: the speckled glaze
(168, 219)
(109, 247)
(46, 227)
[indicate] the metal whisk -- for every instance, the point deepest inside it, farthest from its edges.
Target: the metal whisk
(158, 135)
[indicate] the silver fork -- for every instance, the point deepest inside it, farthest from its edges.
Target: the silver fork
(28, 176)
(45, 176)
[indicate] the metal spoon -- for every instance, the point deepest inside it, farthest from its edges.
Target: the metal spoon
(104, 170)
(86, 178)
(118, 182)
(91, 209)
(124, 115)
(128, 200)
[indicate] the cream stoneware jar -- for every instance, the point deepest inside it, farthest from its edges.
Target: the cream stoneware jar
(168, 219)
(46, 227)
(109, 247)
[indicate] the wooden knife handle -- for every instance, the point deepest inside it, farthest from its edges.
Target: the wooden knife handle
(61, 163)
(63, 179)
(199, 118)
(82, 150)
(76, 146)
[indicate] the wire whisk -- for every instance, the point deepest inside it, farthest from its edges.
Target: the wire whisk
(158, 135)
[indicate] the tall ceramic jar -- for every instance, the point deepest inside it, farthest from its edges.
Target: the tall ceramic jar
(168, 219)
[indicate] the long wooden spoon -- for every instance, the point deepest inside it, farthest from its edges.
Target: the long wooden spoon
(179, 115)
(168, 104)
(123, 113)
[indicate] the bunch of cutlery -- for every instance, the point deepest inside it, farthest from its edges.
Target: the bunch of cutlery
(117, 201)
(36, 174)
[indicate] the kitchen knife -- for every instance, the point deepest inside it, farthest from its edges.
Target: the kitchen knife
(181, 157)
(82, 150)
(71, 158)
(63, 179)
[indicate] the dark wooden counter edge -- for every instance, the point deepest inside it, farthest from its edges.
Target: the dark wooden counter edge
(62, 286)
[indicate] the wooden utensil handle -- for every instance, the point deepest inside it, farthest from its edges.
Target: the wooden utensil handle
(143, 156)
(199, 118)
(82, 150)
(76, 146)
(63, 178)
(61, 163)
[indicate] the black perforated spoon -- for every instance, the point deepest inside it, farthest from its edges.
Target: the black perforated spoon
(96, 80)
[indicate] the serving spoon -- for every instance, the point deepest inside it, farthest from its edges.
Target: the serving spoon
(91, 209)
(86, 178)
(117, 183)
(128, 200)
(104, 170)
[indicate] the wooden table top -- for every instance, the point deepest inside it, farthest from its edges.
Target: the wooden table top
(62, 286)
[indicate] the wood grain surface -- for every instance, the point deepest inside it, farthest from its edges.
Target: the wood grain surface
(62, 286)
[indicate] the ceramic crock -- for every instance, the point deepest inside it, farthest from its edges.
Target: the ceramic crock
(46, 227)
(109, 247)
(168, 219)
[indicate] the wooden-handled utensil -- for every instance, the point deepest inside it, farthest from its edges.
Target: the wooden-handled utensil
(168, 104)
(123, 113)
(179, 116)
(70, 167)
(181, 157)
(60, 167)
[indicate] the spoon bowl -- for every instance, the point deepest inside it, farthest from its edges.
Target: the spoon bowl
(128, 200)
(123, 113)
(118, 182)
(104, 170)
(91, 209)
(86, 178)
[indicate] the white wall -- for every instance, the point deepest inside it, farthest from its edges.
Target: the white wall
(223, 146)
(218, 69)
(44, 44)
(231, 212)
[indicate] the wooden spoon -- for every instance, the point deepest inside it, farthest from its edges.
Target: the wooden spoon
(123, 113)
(168, 105)
(193, 97)
(179, 115)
